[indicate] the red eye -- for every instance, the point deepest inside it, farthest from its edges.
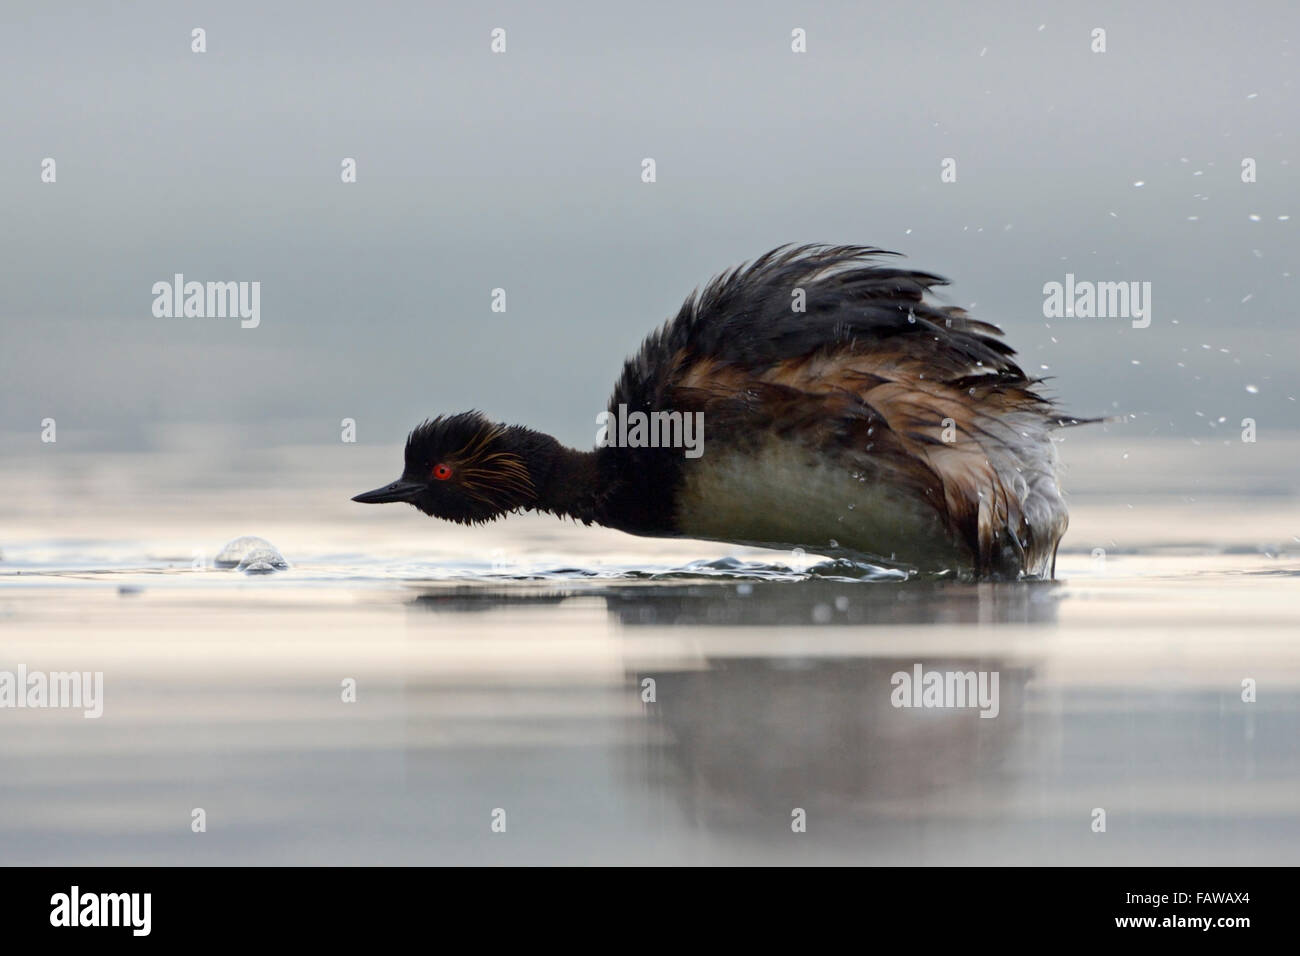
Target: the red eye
(442, 472)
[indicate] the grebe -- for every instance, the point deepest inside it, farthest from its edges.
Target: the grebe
(844, 412)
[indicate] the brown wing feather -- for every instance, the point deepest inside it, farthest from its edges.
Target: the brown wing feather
(956, 447)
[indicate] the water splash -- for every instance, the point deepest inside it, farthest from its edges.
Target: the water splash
(251, 555)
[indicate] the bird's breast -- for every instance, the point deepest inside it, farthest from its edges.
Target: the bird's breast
(780, 494)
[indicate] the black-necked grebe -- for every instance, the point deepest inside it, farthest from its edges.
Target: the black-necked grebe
(843, 412)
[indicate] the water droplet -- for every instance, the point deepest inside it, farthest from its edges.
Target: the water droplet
(244, 552)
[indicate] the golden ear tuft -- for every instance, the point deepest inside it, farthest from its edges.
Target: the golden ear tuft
(499, 479)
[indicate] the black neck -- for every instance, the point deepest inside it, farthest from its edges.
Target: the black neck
(567, 481)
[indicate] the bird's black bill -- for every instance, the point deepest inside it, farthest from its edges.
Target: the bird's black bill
(398, 491)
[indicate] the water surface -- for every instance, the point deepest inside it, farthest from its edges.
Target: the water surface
(506, 668)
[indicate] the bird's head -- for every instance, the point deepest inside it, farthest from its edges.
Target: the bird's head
(463, 468)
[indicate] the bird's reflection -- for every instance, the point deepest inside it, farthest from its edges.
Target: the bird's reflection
(821, 603)
(745, 740)
(755, 718)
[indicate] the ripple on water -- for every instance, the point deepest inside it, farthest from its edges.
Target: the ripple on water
(719, 569)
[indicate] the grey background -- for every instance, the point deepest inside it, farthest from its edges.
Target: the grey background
(522, 171)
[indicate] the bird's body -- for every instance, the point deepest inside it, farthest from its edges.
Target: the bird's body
(843, 412)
